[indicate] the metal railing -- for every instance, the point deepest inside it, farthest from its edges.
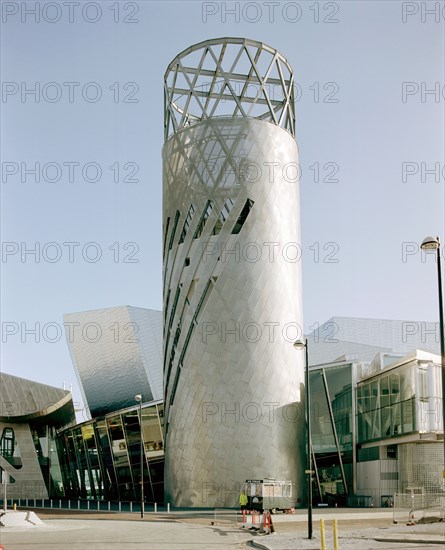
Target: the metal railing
(83, 504)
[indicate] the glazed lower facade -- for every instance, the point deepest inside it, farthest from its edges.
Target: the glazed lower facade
(100, 459)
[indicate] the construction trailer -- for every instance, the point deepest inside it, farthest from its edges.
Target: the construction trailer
(269, 494)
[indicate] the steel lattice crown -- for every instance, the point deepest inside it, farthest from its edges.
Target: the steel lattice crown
(232, 77)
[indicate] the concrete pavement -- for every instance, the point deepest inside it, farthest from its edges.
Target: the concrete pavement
(364, 540)
(357, 529)
(112, 534)
(187, 530)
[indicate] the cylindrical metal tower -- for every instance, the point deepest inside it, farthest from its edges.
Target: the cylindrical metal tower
(234, 385)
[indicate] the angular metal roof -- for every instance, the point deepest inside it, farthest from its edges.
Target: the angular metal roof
(22, 400)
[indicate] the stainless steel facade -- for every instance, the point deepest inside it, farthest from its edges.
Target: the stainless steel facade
(234, 385)
(367, 337)
(117, 353)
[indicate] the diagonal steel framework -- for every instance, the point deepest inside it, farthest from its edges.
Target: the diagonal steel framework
(191, 92)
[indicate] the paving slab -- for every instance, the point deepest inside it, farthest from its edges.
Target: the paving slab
(192, 530)
(91, 534)
(354, 533)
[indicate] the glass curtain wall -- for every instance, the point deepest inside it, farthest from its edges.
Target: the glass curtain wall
(101, 458)
(43, 437)
(401, 401)
(386, 404)
(332, 425)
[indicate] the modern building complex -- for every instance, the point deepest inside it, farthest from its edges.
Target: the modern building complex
(375, 423)
(185, 405)
(117, 353)
(376, 417)
(232, 294)
(31, 413)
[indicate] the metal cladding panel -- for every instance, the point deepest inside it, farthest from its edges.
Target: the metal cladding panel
(149, 334)
(28, 478)
(22, 400)
(110, 349)
(25, 404)
(234, 384)
(397, 336)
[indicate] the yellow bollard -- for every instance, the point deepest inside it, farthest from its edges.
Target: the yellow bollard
(335, 533)
(15, 506)
(322, 537)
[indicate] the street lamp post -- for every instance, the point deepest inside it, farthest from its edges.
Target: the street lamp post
(138, 398)
(433, 243)
(300, 345)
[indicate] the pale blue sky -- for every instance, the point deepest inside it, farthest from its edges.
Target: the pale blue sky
(369, 133)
